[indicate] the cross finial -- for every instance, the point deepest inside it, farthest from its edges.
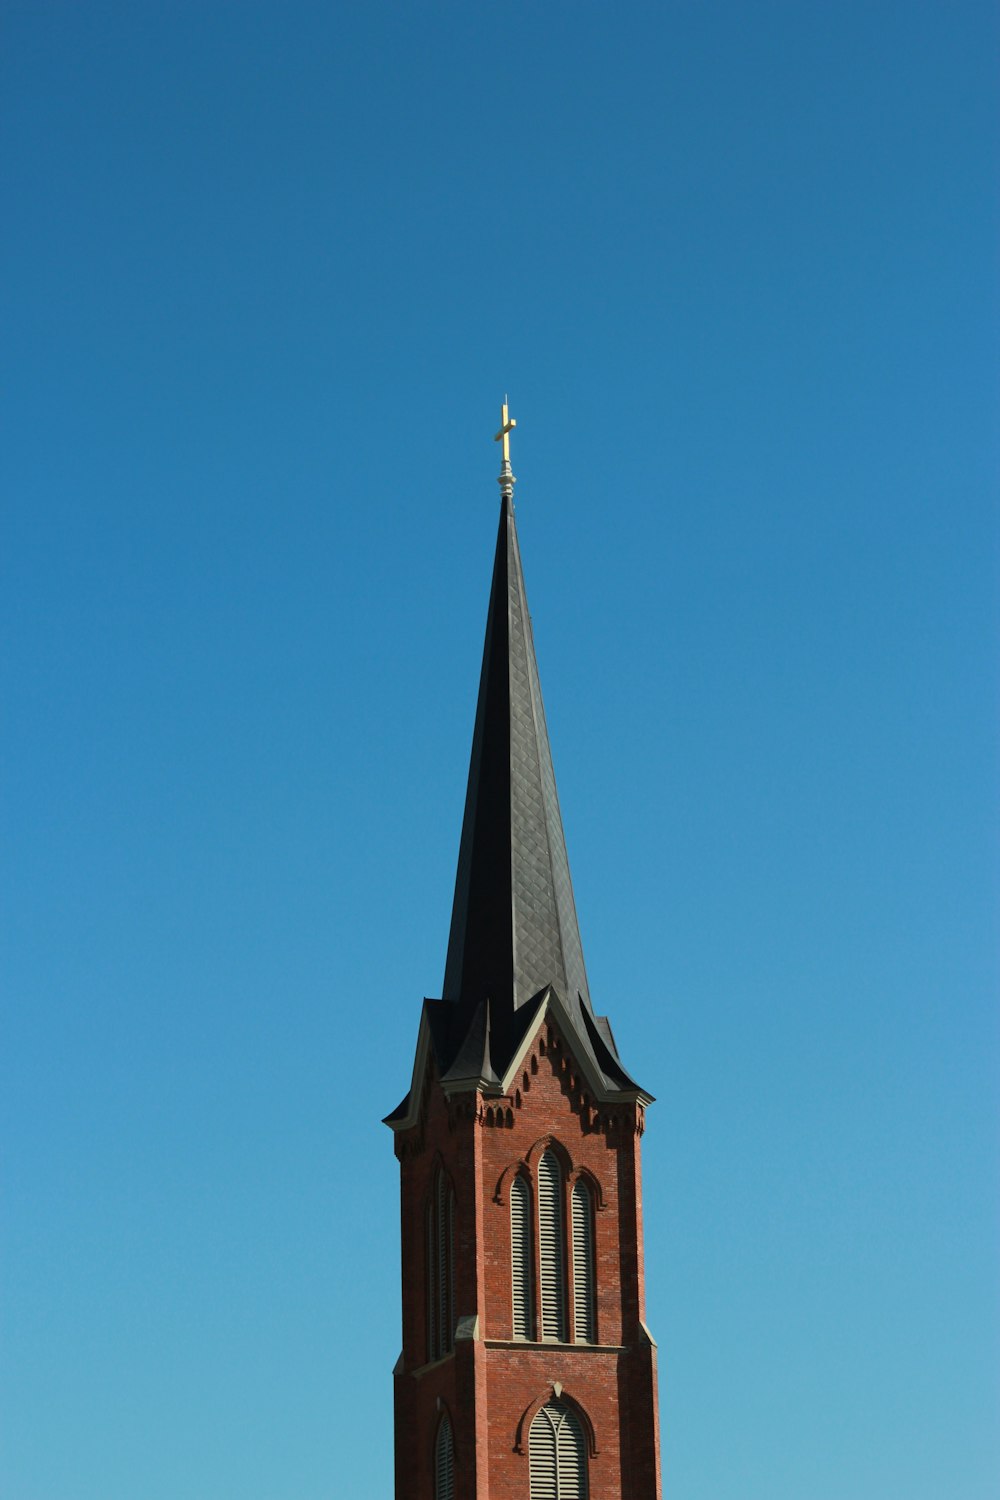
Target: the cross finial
(506, 480)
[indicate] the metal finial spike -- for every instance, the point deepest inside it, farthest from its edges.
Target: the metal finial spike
(506, 480)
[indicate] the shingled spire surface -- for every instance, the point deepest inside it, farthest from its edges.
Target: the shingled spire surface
(515, 940)
(514, 929)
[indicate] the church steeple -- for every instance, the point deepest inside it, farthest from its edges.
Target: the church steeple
(514, 928)
(527, 1369)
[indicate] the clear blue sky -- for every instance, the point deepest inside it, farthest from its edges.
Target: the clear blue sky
(267, 273)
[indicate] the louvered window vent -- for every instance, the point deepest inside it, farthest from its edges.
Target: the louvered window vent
(444, 1461)
(557, 1455)
(584, 1308)
(521, 1259)
(440, 1267)
(551, 1240)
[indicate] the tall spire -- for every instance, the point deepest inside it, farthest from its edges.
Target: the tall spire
(514, 928)
(514, 949)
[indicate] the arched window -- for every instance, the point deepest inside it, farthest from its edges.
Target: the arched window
(557, 1455)
(444, 1461)
(440, 1267)
(550, 1247)
(584, 1302)
(521, 1258)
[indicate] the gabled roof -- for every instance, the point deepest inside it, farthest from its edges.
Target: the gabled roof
(464, 1071)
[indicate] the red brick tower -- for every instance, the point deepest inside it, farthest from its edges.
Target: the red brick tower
(527, 1372)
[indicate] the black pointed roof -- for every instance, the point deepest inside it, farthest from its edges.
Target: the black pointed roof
(514, 929)
(514, 937)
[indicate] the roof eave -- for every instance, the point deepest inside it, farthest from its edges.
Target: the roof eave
(405, 1115)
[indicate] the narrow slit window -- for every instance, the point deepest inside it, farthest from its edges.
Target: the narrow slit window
(521, 1258)
(440, 1267)
(551, 1247)
(444, 1461)
(584, 1299)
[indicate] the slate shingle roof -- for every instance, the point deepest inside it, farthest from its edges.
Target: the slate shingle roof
(514, 930)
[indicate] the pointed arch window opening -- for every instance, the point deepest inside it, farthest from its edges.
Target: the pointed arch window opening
(553, 1243)
(557, 1454)
(440, 1254)
(522, 1258)
(584, 1277)
(552, 1248)
(444, 1461)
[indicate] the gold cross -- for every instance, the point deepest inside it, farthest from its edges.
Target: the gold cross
(506, 424)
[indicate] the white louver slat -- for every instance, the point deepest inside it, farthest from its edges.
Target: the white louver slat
(550, 1247)
(444, 1461)
(584, 1310)
(520, 1255)
(557, 1457)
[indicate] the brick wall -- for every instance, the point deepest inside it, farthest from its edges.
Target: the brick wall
(492, 1385)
